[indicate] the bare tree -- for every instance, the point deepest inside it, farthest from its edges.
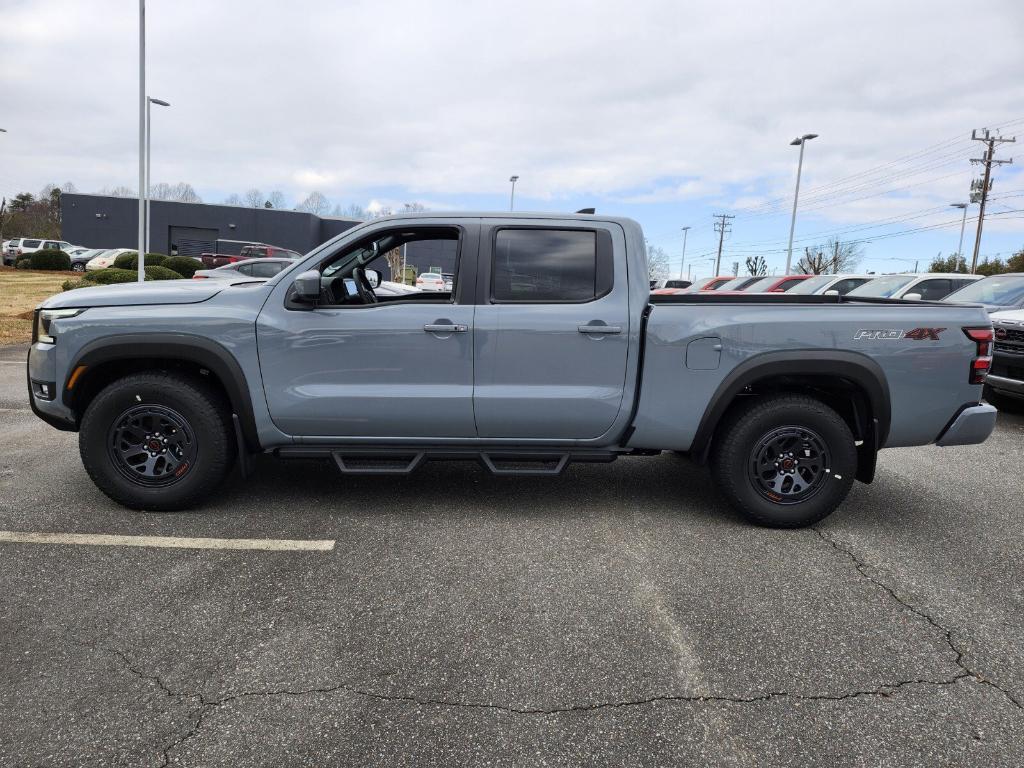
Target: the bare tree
(353, 211)
(657, 263)
(253, 198)
(757, 266)
(413, 208)
(275, 199)
(119, 191)
(68, 186)
(184, 193)
(833, 258)
(233, 199)
(314, 203)
(394, 259)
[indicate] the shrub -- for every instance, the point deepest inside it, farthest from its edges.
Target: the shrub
(130, 260)
(52, 259)
(156, 272)
(70, 285)
(110, 276)
(185, 266)
(23, 263)
(124, 261)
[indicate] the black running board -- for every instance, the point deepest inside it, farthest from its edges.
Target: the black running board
(395, 461)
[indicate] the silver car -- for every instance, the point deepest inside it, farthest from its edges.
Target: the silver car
(239, 270)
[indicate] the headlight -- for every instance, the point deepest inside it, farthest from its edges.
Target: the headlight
(44, 318)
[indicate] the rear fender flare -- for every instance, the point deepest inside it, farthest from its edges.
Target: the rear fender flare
(855, 368)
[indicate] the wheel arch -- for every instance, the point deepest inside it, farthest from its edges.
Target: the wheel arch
(111, 357)
(852, 384)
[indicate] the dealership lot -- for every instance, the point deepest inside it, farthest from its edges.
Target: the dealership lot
(618, 614)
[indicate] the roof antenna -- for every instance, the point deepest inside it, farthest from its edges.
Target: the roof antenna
(587, 210)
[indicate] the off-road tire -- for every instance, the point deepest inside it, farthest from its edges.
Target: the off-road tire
(744, 430)
(206, 415)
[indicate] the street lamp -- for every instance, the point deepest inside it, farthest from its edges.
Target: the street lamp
(512, 199)
(799, 142)
(960, 248)
(141, 273)
(150, 101)
(685, 232)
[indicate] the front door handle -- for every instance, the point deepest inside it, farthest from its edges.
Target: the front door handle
(601, 330)
(442, 328)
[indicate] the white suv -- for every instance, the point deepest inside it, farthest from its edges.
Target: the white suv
(23, 246)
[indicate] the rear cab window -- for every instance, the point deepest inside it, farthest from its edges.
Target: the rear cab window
(544, 266)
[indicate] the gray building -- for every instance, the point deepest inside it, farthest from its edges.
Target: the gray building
(188, 229)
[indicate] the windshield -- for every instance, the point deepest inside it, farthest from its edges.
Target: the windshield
(733, 285)
(812, 284)
(1003, 290)
(883, 287)
(761, 285)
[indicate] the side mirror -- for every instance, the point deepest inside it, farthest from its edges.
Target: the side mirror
(373, 278)
(912, 296)
(307, 286)
(831, 292)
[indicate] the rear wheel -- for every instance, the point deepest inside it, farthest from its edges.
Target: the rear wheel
(784, 461)
(78, 266)
(157, 441)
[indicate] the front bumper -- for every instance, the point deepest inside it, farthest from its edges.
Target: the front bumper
(972, 425)
(41, 369)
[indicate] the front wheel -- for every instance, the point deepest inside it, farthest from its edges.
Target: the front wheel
(157, 441)
(784, 461)
(78, 266)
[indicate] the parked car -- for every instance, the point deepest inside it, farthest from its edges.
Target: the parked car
(262, 267)
(670, 283)
(1006, 379)
(267, 252)
(431, 281)
(997, 292)
(23, 246)
(539, 363)
(831, 284)
(738, 283)
(106, 259)
(249, 251)
(928, 286)
(79, 260)
(776, 283)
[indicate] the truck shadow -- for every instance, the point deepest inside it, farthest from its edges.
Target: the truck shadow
(665, 484)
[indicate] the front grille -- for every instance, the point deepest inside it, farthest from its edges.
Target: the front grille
(1010, 349)
(1010, 334)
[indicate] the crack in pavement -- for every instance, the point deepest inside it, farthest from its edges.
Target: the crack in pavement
(209, 706)
(947, 633)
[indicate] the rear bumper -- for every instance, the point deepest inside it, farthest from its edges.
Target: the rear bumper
(972, 425)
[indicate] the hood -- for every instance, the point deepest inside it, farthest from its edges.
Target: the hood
(1013, 317)
(125, 294)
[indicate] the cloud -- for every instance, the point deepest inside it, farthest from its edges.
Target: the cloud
(658, 103)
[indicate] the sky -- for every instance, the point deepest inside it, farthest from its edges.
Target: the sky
(667, 112)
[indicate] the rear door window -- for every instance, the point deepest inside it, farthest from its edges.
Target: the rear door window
(933, 290)
(30, 243)
(547, 266)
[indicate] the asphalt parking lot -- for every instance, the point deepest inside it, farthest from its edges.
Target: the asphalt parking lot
(617, 615)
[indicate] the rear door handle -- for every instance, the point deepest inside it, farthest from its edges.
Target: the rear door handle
(441, 328)
(599, 329)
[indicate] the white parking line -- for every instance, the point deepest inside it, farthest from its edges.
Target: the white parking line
(109, 540)
(13, 362)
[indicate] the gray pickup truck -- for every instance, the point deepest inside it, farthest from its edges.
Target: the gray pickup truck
(549, 349)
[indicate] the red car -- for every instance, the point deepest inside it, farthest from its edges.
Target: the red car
(704, 284)
(775, 284)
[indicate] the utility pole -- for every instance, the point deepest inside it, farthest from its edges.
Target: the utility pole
(685, 232)
(722, 227)
(988, 161)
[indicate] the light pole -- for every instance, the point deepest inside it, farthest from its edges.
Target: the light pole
(150, 101)
(141, 274)
(799, 142)
(685, 232)
(960, 248)
(512, 199)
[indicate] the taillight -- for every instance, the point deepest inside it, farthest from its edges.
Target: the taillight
(982, 364)
(199, 277)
